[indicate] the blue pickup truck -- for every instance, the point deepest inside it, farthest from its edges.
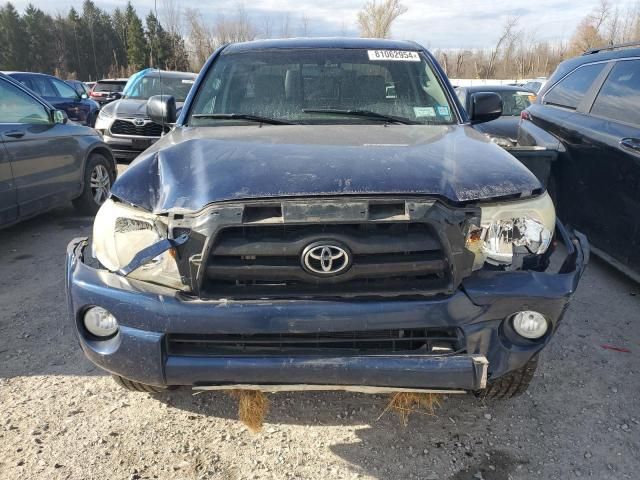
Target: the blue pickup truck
(322, 215)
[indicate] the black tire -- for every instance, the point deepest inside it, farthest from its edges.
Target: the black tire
(137, 386)
(512, 384)
(97, 167)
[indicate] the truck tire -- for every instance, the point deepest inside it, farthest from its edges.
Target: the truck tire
(137, 386)
(98, 178)
(511, 384)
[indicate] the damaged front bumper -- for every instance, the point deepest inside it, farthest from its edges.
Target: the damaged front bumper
(150, 317)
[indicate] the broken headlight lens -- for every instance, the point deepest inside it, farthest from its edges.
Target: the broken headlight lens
(121, 231)
(524, 226)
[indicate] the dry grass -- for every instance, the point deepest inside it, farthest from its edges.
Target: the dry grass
(406, 403)
(252, 407)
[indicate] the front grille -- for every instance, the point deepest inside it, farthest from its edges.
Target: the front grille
(124, 127)
(427, 341)
(388, 259)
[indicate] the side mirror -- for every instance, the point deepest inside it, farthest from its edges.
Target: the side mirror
(60, 116)
(484, 107)
(84, 96)
(161, 109)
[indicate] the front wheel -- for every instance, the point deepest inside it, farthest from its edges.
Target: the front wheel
(512, 384)
(98, 178)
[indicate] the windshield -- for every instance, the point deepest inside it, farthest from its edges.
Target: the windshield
(144, 86)
(514, 102)
(108, 87)
(346, 85)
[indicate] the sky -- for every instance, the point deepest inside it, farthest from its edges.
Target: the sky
(433, 23)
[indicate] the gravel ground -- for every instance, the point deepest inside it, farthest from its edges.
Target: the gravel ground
(64, 419)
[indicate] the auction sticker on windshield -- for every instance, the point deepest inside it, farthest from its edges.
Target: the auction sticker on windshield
(396, 55)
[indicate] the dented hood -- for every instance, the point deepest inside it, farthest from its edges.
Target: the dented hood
(195, 166)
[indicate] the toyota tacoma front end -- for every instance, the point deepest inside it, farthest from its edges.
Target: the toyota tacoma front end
(300, 227)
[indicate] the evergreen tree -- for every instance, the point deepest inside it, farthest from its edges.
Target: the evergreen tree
(136, 42)
(178, 58)
(40, 40)
(119, 23)
(157, 42)
(76, 41)
(13, 51)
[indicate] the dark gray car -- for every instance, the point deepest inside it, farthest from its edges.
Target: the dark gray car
(124, 123)
(45, 161)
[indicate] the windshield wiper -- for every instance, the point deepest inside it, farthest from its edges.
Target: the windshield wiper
(242, 116)
(362, 113)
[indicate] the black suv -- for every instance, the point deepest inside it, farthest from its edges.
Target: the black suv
(589, 111)
(305, 226)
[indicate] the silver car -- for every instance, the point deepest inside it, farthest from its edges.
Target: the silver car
(124, 124)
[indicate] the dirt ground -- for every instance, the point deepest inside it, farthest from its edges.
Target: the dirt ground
(64, 419)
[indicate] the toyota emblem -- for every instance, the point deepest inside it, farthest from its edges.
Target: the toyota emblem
(138, 122)
(326, 259)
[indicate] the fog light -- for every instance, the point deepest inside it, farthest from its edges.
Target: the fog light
(100, 322)
(529, 324)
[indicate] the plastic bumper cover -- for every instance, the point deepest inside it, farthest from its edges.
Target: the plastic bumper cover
(146, 313)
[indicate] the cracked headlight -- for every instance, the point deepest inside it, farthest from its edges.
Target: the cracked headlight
(524, 226)
(121, 231)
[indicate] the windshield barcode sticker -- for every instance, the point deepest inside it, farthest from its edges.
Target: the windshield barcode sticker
(395, 55)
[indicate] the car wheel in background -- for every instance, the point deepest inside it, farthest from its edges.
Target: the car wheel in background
(98, 178)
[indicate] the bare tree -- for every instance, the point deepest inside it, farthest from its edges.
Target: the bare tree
(375, 20)
(508, 36)
(267, 26)
(305, 25)
(285, 30)
(590, 32)
(343, 28)
(237, 28)
(171, 17)
(201, 41)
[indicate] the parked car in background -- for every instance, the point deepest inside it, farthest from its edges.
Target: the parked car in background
(61, 95)
(108, 90)
(589, 111)
(45, 161)
(534, 85)
(125, 125)
(502, 130)
(302, 227)
(80, 87)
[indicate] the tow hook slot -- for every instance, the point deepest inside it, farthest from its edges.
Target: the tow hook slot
(152, 251)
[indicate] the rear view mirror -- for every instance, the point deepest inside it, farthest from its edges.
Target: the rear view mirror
(60, 116)
(485, 106)
(161, 109)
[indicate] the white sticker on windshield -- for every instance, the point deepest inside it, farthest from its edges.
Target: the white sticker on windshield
(443, 110)
(394, 55)
(424, 111)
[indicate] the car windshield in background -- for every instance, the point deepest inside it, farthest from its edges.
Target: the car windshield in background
(109, 87)
(322, 86)
(514, 102)
(147, 86)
